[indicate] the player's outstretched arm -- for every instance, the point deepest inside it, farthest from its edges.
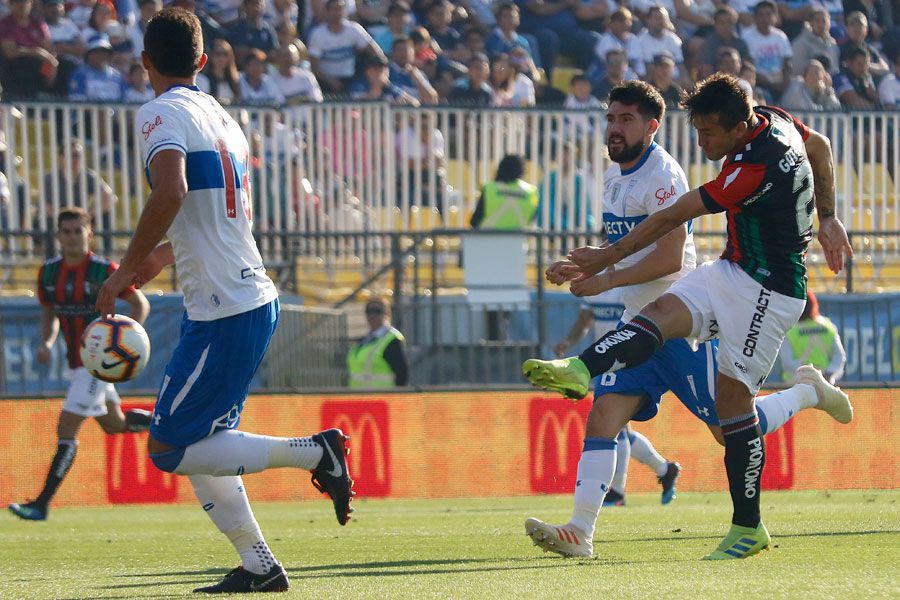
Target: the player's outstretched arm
(140, 308)
(169, 187)
(593, 260)
(832, 234)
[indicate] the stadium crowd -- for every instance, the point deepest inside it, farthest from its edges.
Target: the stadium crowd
(803, 55)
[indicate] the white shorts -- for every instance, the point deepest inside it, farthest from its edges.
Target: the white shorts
(88, 396)
(750, 320)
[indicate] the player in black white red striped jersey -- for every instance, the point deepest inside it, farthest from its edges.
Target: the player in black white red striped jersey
(67, 290)
(775, 173)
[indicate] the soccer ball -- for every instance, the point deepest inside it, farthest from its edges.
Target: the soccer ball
(114, 348)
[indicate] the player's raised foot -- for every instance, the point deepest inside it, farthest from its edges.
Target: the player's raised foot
(614, 498)
(568, 376)
(137, 420)
(564, 540)
(831, 398)
(239, 580)
(331, 475)
(30, 511)
(741, 542)
(668, 480)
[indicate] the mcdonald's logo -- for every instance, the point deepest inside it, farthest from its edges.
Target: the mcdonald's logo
(778, 472)
(556, 436)
(131, 477)
(368, 425)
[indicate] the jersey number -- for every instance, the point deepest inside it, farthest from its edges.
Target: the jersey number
(231, 184)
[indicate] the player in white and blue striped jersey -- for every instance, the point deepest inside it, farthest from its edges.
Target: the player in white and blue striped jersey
(197, 161)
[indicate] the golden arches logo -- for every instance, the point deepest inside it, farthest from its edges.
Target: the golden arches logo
(561, 428)
(355, 429)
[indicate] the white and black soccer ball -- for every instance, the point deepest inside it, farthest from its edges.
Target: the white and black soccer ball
(114, 348)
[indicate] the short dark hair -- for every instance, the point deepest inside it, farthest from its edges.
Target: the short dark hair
(579, 77)
(399, 7)
(852, 51)
(649, 101)
(721, 95)
(174, 42)
(506, 6)
(73, 213)
(765, 4)
(511, 167)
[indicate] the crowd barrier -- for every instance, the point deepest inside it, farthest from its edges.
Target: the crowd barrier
(449, 445)
(350, 167)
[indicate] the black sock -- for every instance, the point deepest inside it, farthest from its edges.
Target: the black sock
(62, 461)
(745, 455)
(629, 346)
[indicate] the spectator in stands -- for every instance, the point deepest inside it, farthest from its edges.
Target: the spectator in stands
(580, 97)
(372, 13)
(512, 89)
(256, 85)
(812, 91)
(593, 14)
(505, 38)
(220, 78)
(815, 341)
(730, 62)
(567, 195)
(770, 49)
(96, 79)
(554, 25)
(378, 360)
(617, 37)
(481, 12)
(333, 47)
(889, 88)
(138, 90)
(279, 13)
(723, 35)
(422, 149)
(875, 13)
(135, 31)
(68, 182)
(225, 12)
(212, 29)
(793, 16)
(815, 41)
(656, 39)
(399, 22)
(28, 64)
(522, 62)
(80, 13)
(441, 72)
(508, 202)
(67, 45)
(98, 23)
(296, 82)
(375, 84)
(660, 73)
(854, 85)
(857, 30)
(616, 70)
(474, 90)
(748, 74)
(440, 17)
(251, 32)
(473, 43)
(405, 75)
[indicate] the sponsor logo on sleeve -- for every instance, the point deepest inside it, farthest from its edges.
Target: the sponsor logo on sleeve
(148, 126)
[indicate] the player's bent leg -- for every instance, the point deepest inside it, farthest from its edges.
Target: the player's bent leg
(829, 398)
(596, 468)
(629, 346)
(225, 501)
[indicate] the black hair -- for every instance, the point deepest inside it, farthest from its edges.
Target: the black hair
(174, 42)
(765, 4)
(647, 98)
(721, 95)
(511, 167)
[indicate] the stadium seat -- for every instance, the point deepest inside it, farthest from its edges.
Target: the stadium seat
(562, 78)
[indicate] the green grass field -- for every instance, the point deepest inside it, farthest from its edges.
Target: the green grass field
(825, 545)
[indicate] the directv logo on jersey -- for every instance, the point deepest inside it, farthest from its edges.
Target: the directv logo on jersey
(762, 304)
(613, 339)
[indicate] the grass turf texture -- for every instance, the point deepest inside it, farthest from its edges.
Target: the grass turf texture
(825, 545)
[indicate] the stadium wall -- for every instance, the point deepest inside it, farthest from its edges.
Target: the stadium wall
(454, 444)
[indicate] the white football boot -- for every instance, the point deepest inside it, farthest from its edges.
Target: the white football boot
(564, 540)
(831, 399)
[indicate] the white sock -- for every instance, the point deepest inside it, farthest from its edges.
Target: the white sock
(642, 450)
(232, 452)
(226, 503)
(623, 455)
(595, 472)
(777, 409)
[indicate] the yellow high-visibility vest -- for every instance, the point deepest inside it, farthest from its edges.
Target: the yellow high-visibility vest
(366, 363)
(812, 342)
(509, 205)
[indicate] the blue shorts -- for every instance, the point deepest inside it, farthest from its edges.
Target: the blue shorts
(675, 367)
(208, 376)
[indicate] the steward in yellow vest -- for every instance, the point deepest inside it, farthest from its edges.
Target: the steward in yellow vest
(814, 340)
(378, 360)
(508, 202)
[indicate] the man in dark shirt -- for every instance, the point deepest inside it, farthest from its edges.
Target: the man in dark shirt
(474, 89)
(659, 75)
(854, 85)
(252, 32)
(723, 35)
(27, 62)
